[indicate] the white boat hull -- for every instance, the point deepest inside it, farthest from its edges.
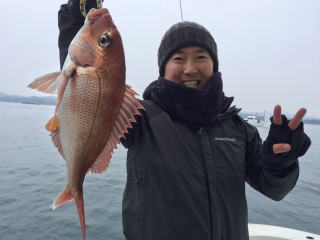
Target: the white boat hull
(267, 232)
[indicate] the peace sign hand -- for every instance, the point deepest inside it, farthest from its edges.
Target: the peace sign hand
(293, 125)
(286, 136)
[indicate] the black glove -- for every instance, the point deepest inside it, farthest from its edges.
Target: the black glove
(298, 140)
(74, 7)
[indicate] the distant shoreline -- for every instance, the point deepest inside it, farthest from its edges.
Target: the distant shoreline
(28, 100)
(52, 101)
(260, 116)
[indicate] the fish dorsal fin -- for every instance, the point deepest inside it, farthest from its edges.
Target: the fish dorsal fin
(55, 136)
(129, 108)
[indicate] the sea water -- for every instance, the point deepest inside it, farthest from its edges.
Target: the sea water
(32, 173)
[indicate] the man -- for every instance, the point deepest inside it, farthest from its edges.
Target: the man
(190, 154)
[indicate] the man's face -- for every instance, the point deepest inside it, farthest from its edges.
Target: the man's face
(190, 66)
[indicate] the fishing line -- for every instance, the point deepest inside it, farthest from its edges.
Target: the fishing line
(181, 10)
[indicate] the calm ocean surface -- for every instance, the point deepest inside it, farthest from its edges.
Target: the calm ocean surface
(32, 173)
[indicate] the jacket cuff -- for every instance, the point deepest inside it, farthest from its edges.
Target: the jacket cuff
(278, 161)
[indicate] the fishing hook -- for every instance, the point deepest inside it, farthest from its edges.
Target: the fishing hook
(83, 6)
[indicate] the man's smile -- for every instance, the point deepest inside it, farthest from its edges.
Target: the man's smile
(191, 83)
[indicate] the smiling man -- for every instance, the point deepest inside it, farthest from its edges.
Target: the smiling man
(190, 153)
(190, 66)
(188, 55)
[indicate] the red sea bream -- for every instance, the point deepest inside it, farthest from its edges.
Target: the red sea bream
(94, 107)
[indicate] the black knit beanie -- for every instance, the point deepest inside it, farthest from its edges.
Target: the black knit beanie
(184, 34)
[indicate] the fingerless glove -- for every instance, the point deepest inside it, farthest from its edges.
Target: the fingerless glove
(298, 140)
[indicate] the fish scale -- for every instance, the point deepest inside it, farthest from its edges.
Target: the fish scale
(77, 123)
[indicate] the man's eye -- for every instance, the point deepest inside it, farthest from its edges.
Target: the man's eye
(202, 57)
(178, 58)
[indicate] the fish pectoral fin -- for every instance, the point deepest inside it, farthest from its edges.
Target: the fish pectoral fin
(64, 196)
(53, 124)
(46, 83)
(130, 107)
(62, 80)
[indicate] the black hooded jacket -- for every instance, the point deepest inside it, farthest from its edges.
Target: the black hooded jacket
(189, 184)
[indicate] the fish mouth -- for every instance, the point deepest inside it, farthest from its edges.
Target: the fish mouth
(95, 14)
(191, 83)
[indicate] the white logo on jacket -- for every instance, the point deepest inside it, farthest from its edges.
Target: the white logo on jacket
(225, 139)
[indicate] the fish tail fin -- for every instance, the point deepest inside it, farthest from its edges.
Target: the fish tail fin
(80, 207)
(64, 196)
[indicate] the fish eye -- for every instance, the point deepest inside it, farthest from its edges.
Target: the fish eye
(105, 40)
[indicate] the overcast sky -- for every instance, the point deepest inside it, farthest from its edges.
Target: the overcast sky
(269, 50)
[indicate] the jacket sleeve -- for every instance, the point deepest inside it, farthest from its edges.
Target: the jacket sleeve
(274, 175)
(70, 20)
